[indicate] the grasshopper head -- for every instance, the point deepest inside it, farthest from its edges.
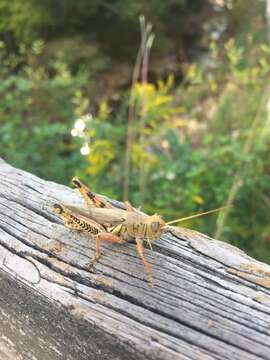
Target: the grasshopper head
(58, 209)
(155, 227)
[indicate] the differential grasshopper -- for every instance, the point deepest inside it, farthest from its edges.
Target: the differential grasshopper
(108, 223)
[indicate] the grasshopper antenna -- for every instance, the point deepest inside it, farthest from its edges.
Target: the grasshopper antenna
(198, 215)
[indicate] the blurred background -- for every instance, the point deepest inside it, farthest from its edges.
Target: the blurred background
(165, 103)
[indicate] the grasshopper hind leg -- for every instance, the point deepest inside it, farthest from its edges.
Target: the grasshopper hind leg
(89, 196)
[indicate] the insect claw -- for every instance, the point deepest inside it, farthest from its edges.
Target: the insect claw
(92, 263)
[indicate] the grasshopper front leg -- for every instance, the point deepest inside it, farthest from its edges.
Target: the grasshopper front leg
(147, 266)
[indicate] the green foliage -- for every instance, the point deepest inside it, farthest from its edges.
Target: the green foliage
(191, 155)
(36, 116)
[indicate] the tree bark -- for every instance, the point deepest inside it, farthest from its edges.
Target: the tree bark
(210, 300)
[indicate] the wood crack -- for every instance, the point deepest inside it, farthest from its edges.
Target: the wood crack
(198, 309)
(80, 280)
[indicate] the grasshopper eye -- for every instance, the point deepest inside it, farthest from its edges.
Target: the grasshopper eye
(58, 209)
(155, 226)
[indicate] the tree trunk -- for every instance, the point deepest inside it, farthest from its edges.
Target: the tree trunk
(210, 300)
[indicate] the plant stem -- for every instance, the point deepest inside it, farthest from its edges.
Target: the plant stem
(147, 39)
(129, 137)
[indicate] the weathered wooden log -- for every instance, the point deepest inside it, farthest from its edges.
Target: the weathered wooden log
(210, 300)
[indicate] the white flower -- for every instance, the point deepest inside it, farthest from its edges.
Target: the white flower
(74, 132)
(85, 149)
(170, 176)
(165, 144)
(79, 125)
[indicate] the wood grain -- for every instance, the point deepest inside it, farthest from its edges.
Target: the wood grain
(210, 300)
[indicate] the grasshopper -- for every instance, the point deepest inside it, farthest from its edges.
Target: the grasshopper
(108, 223)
